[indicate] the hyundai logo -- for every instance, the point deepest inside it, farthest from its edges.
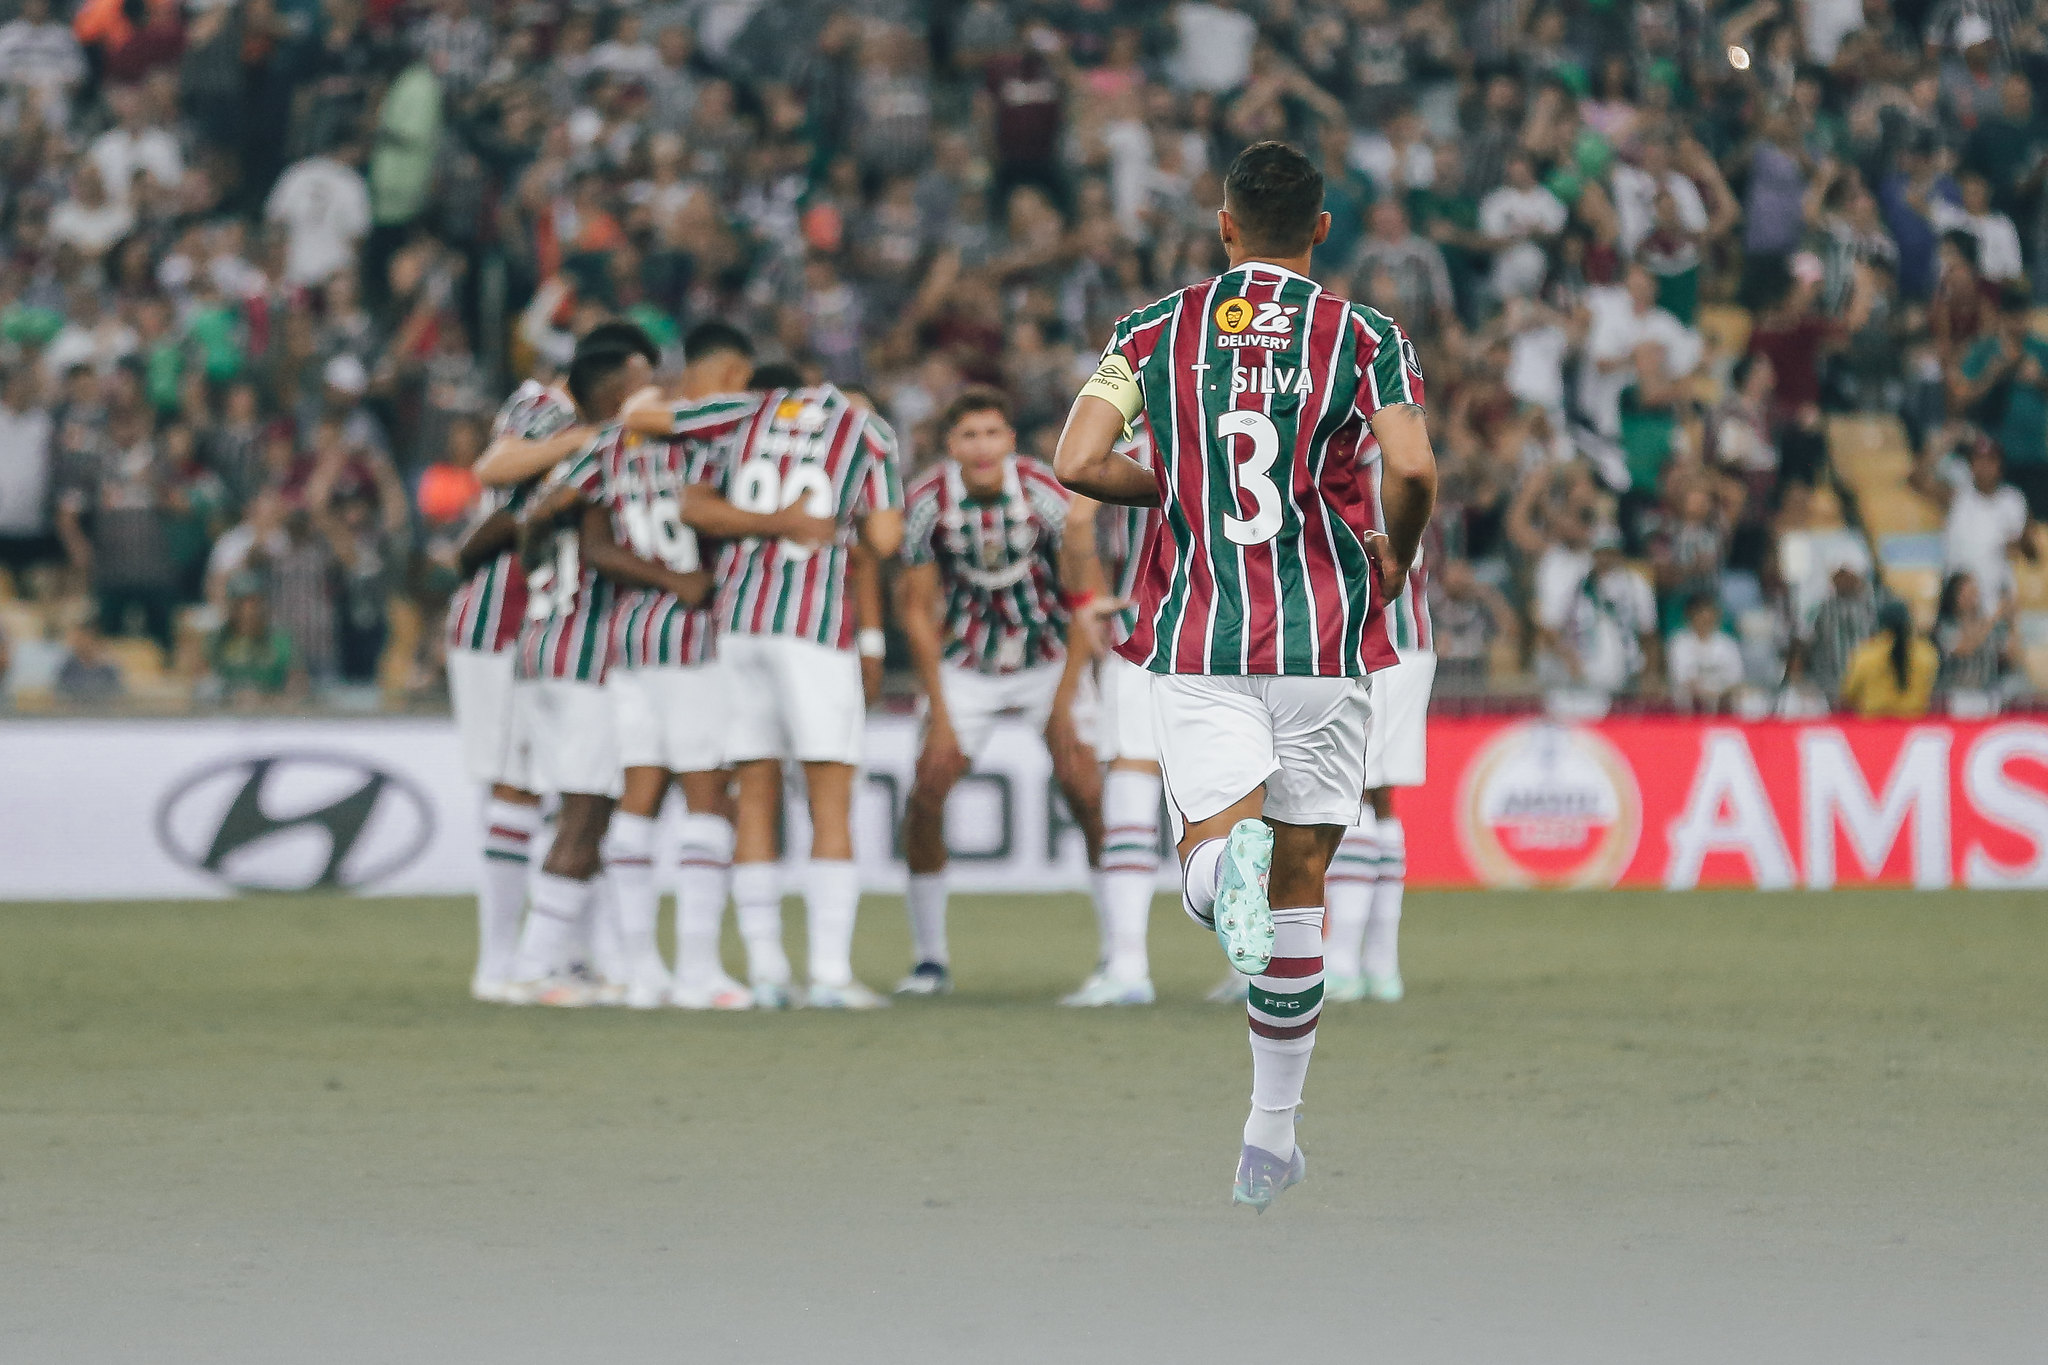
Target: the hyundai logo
(295, 822)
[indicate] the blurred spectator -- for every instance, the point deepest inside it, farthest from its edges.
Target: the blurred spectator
(250, 661)
(1893, 672)
(1402, 273)
(1839, 628)
(1986, 517)
(1596, 618)
(324, 208)
(27, 449)
(361, 508)
(2001, 384)
(87, 677)
(1978, 646)
(1468, 618)
(112, 517)
(1705, 663)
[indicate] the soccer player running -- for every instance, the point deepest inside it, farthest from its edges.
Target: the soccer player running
(787, 634)
(981, 602)
(484, 617)
(1260, 603)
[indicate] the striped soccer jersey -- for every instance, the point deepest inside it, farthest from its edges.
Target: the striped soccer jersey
(644, 491)
(1408, 614)
(568, 606)
(486, 612)
(1120, 540)
(1257, 386)
(998, 561)
(813, 444)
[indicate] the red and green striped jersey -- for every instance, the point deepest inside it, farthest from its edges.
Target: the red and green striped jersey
(644, 491)
(1408, 614)
(814, 444)
(1257, 386)
(1120, 540)
(486, 612)
(998, 560)
(568, 606)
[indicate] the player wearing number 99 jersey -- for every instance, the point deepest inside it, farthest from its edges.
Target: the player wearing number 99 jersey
(1260, 603)
(787, 634)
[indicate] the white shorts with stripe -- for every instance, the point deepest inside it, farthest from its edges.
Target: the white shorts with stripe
(1397, 753)
(1127, 728)
(480, 693)
(571, 733)
(1302, 738)
(673, 718)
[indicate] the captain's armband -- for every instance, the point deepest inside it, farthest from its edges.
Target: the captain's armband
(1114, 383)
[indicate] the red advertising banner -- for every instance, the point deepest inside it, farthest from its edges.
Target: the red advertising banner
(1677, 802)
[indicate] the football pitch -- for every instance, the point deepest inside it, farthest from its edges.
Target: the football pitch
(1628, 1128)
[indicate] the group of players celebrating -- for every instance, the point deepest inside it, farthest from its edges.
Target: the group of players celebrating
(679, 586)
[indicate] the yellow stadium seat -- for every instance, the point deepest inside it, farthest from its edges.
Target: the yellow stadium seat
(1726, 328)
(141, 661)
(1919, 589)
(1897, 511)
(2031, 581)
(2036, 659)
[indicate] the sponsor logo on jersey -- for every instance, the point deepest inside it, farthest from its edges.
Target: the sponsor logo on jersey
(1544, 804)
(1233, 315)
(294, 821)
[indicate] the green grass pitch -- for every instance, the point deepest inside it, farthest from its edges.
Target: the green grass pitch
(1640, 1128)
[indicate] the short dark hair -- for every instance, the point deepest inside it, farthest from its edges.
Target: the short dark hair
(592, 368)
(617, 334)
(716, 338)
(776, 374)
(970, 400)
(1275, 194)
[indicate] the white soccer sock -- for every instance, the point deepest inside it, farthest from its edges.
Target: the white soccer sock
(1348, 889)
(831, 903)
(1285, 1001)
(757, 900)
(629, 867)
(1130, 869)
(705, 855)
(1201, 879)
(925, 898)
(1383, 932)
(554, 930)
(606, 940)
(501, 897)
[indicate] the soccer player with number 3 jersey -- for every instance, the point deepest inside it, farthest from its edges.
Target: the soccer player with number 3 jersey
(1261, 600)
(787, 623)
(981, 604)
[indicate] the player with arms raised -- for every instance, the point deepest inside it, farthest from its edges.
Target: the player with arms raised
(1261, 599)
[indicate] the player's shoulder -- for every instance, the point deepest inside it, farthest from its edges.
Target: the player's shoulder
(533, 411)
(1369, 319)
(929, 486)
(1152, 315)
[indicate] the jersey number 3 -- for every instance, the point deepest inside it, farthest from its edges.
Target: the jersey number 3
(1252, 474)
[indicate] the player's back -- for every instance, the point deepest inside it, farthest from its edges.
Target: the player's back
(1257, 387)
(816, 445)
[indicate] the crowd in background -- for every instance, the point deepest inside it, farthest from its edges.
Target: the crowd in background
(263, 263)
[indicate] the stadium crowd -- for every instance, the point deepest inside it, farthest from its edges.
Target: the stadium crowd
(268, 266)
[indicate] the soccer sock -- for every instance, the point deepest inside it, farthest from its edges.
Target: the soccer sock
(757, 900)
(926, 901)
(629, 866)
(1348, 888)
(1130, 868)
(1284, 1003)
(701, 883)
(501, 897)
(1201, 878)
(1383, 932)
(553, 930)
(831, 902)
(606, 951)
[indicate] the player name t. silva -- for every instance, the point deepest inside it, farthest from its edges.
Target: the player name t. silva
(1269, 379)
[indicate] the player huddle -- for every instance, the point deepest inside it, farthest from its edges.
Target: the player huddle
(679, 587)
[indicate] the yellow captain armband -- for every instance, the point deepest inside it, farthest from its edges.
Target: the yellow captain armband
(1114, 383)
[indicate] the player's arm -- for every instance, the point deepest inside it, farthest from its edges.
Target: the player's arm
(512, 459)
(918, 595)
(881, 497)
(621, 565)
(1407, 491)
(705, 511)
(1087, 460)
(490, 538)
(864, 573)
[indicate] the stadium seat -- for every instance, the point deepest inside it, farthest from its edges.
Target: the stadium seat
(1869, 452)
(2031, 584)
(141, 662)
(1919, 589)
(1726, 328)
(1897, 510)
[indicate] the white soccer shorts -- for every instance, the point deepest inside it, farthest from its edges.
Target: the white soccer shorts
(493, 742)
(1302, 738)
(571, 735)
(974, 700)
(1127, 728)
(672, 718)
(792, 699)
(1396, 755)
